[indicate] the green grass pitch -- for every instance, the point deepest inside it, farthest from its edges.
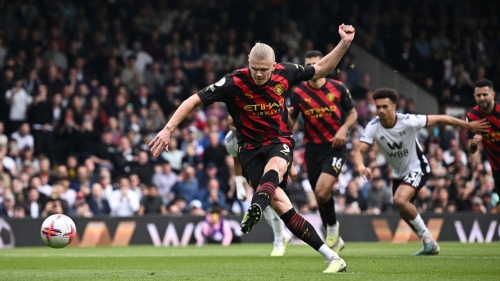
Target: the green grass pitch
(365, 261)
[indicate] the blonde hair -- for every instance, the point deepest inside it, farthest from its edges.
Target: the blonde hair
(261, 51)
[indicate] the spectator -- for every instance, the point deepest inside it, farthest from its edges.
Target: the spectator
(137, 186)
(355, 203)
(423, 200)
(82, 209)
(106, 184)
(187, 185)
(130, 75)
(124, 201)
(378, 197)
(7, 206)
(55, 56)
(19, 101)
(196, 209)
(33, 205)
(212, 195)
(152, 203)
(54, 206)
(103, 153)
(98, 204)
(164, 178)
(174, 156)
(454, 149)
(42, 119)
(143, 168)
(477, 206)
(215, 153)
(154, 79)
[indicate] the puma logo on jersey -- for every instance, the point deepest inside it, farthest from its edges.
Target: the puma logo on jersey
(249, 95)
(308, 100)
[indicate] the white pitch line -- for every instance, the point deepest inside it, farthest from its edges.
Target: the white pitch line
(188, 255)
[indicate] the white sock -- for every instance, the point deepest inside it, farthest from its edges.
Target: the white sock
(331, 229)
(241, 192)
(422, 231)
(327, 252)
(277, 225)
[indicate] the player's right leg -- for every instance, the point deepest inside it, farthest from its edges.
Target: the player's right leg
(407, 210)
(323, 168)
(305, 231)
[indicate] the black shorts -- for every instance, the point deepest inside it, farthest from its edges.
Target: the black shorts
(322, 158)
(253, 161)
(416, 180)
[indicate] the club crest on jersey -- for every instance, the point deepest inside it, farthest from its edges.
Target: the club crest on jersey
(330, 97)
(279, 89)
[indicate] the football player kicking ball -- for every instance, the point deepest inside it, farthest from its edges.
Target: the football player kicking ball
(395, 135)
(255, 99)
(281, 237)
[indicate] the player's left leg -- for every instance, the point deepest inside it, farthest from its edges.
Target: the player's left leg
(403, 196)
(278, 158)
(305, 231)
(281, 237)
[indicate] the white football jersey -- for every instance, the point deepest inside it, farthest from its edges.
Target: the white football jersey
(231, 144)
(399, 144)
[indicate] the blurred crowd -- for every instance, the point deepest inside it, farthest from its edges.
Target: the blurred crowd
(85, 86)
(443, 45)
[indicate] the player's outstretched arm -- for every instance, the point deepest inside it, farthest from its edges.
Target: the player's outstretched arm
(162, 139)
(474, 126)
(358, 160)
(326, 65)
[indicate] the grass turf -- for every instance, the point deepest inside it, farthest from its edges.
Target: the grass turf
(365, 261)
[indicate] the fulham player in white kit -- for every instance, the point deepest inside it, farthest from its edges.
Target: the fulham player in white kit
(281, 237)
(395, 135)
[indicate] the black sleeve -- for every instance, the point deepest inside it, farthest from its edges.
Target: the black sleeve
(217, 91)
(347, 102)
(296, 73)
(294, 102)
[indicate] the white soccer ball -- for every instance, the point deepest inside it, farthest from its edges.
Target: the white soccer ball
(58, 231)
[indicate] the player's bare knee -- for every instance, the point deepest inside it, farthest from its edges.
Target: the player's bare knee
(277, 164)
(399, 201)
(323, 194)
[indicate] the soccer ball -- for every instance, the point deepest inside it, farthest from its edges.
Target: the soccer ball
(58, 231)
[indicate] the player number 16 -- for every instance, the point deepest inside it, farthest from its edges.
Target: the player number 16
(337, 162)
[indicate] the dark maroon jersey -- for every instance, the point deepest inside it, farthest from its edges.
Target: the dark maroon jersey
(491, 140)
(259, 112)
(324, 110)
